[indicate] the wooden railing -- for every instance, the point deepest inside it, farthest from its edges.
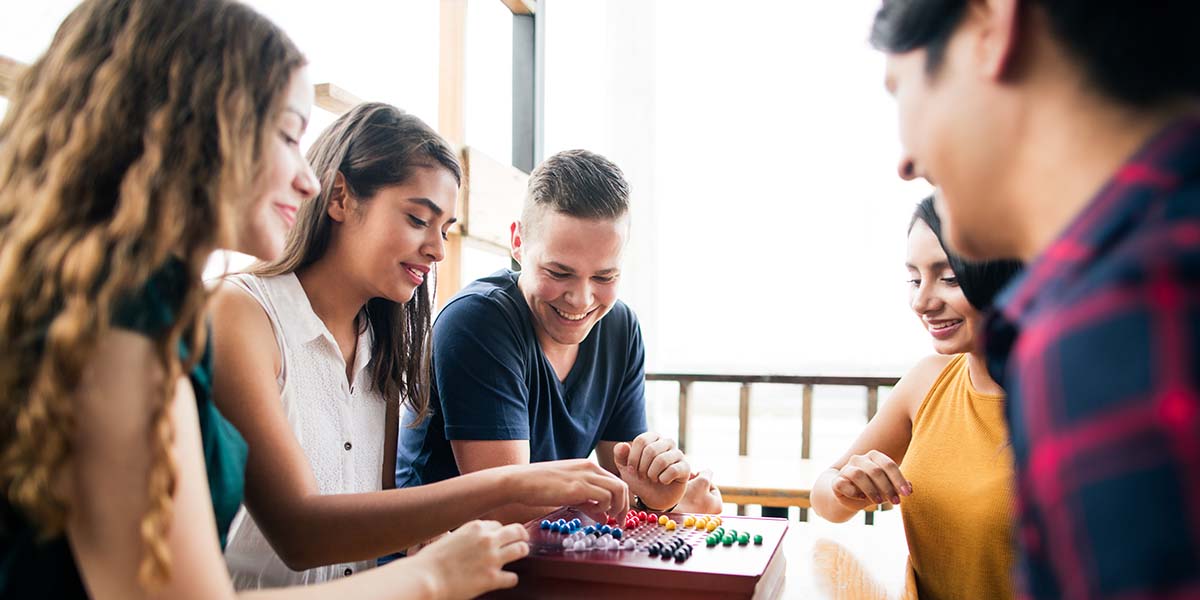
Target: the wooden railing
(685, 380)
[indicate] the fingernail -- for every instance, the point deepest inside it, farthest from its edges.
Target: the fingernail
(895, 499)
(877, 499)
(906, 489)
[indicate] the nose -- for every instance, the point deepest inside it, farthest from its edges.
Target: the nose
(306, 183)
(580, 296)
(924, 300)
(907, 169)
(435, 248)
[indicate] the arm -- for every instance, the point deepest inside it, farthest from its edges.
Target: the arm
(109, 503)
(281, 489)
(868, 473)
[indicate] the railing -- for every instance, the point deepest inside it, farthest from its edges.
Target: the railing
(773, 493)
(685, 380)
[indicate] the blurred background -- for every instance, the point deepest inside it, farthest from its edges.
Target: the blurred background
(769, 223)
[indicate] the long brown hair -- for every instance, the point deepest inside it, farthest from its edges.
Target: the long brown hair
(129, 142)
(374, 146)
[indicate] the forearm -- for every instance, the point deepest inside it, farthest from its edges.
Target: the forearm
(825, 503)
(352, 527)
(420, 583)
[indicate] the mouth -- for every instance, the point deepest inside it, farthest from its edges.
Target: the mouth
(573, 318)
(416, 273)
(288, 212)
(943, 329)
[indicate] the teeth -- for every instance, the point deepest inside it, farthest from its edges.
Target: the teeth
(419, 274)
(568, 316)
(944, 326)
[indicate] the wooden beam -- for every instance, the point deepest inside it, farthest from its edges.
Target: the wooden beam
(521, 7)
(10, 72)
(452, 43)
(684, 388)
(492, 196)
(872, 402)
(744, 420)
(806, 407)
(334, 99)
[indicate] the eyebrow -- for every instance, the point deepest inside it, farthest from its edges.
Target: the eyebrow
(427, 203)
(937, 266)
(561, 267)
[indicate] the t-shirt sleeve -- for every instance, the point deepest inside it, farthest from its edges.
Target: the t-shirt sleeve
(479, 372)
(629, 417)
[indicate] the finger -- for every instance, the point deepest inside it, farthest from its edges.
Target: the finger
(662, 461)
(882, 483)
(637, 448)
(846, 489)
(864, 483)
(513, 551)
(505, 580)
(894, 475)
(650, 453)
(509, 534)
(621, 454)
(674, 473)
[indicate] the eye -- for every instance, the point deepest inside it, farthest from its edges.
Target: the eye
(291, 141)
(609, 279)
(950, 281)
(419, 222)
(556, 274)
(914, 282)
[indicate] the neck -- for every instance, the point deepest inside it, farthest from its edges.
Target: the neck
(1071, 148)
(981, 380)
(334, 298)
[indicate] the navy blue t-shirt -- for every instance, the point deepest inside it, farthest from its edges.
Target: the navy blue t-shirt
(491, 381)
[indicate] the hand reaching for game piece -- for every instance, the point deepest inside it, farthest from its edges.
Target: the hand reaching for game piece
(469, 561)
(871, 478)
(580, 483)
(655, 469)
(702, 495)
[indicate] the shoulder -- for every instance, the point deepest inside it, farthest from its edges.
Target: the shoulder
(915, 385)
(485, 304)
(240, 322)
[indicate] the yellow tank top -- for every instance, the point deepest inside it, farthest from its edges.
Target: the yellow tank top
(959, 519)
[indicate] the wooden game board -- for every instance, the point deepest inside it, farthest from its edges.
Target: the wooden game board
(750, 571)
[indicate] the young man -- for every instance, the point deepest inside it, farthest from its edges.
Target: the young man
(546, 363)
(1064, 132)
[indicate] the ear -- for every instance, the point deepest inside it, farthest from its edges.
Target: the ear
(1001, 37)
(514, 240)
(338, 204)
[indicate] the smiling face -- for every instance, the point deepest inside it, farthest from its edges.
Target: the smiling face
(389, 242)
(570, 268)
(935, 296)
(958, 128)
(285, 179)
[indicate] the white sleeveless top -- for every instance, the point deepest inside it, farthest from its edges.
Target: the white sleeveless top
(339, 426)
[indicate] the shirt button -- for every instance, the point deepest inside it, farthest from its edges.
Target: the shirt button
(347, 446)
(348, 572)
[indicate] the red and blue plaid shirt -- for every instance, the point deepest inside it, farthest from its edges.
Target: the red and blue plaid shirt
(1098, 347)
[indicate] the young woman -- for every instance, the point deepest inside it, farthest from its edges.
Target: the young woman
(315, 350)
(149, 134)
(939, 444)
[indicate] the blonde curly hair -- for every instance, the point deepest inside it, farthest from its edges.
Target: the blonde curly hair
(132, 141)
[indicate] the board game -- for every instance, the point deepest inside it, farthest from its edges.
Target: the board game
(665, 556)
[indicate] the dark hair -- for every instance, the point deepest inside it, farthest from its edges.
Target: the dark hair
(980, 280)
(374, 146)
(577, 183)
(1139, 53)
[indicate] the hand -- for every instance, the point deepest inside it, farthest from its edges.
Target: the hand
(870, 478)
(467, 562)
(655, 469)
(701, 496)
(580, 483)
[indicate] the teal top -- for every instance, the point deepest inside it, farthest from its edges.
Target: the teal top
(29, 568)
